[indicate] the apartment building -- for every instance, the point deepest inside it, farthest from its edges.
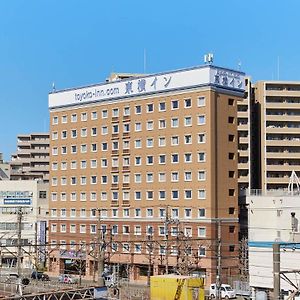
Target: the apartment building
(31, 161)
(4, 168)
(279, 111)
(149, 166)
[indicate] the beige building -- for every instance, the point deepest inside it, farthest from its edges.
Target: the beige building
(31, 161)
(152, 162)
(279, 110)
(4, 168)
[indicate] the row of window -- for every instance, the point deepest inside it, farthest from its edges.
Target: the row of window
(138, 178)
(115, 112)
(115, 128)
(138, 195)
(138, 248)
(127, 213)
(138, 144)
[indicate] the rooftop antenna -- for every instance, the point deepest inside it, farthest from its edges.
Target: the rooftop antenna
(53, 87)
(208, 58)
(294, 180)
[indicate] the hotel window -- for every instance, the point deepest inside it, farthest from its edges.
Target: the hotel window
(137, 178)
(103, 179)
(161, 230)
(230, 120)
(73, 212)
(82, 196)
(231, 192)
(162, 106)
(175, 104)
(188, 232)
(94, 115)
(54, 181)
(162, 250)
(175, 194)
(54, 166)
(83, 148)
(63, 181)
(115, 178)
(162, 195)
(94, 147)
(162, 159)
(93, 179)
(115, 112)
(93, 229)
(149, 195)
(53, 212)
(138, 109)
(84, 116)
(175, 176)
(93, 163)
(82, 212)
(188, 194)
(149, 177)
(115, 145)
(187, 103)
(138, 144)
(94, 131)
(188, 176)
(231, 174)
(103, 214)
(202, 251)
(187, 213)
(83, 132)
(73, 196)
(126, 144)
(201, 101)
(114, 229)
(201, 175)
(63, 228)
(125, 246)
(149, 160)
(138, 126)
(150, 143)
(53, 196)
(174, 140)
(150, 125)
(104, 163)
(54, 151)
(126, 127)
(187, 157)
(201, 194)
(201, 138)
(138, 213)
(231, 155)
(93, 196)
(104, 113)
(73, 164)
(74, 118)
(138, 160)
(201, 212)
(63, 150)
(137, 248)
(126, 213)
(114, 213)
(162, 124)
(201, 120)
(115, 128)
(74, 133)
(104, 130)
(162, 212)
(201, 156)
(174, 122)
(188, 139)
(231, 229)
(115, 162)
(175, 213)
(150, 107)
(73, 228)
(115, 196)
(201, 232)
(187, 121)
(149, 212)
(175, 158)
(73, 149)
(54, 135)
(161, 141)
(55, 120)
(64, 134)
(126, 161)
(104, 146)
(83, 164)
(126, 111)
(137, 230)
(82, 228)
(162, 177)
(103, 196)
(73, 180)
(137, 195)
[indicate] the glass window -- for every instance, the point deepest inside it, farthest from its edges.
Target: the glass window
(175, 104)
(162, 106)
(201, 120)
(201, 101)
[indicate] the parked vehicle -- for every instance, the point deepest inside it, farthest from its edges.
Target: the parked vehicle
(67, 278)
(40, 276)
(226, 290)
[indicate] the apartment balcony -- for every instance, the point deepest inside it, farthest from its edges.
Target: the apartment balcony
(278, 180)
(242, 114)
(37, 150)
(39, 169)
(39, 159)
(243, 153)
(282, 130)
(243, 140)
(283, 117)
(243, 179)
(282, 93)
(285, 142)
(243, 102)
(243, 166)
(284, 167)
(283, 155)
(244, 127)
(282, 105)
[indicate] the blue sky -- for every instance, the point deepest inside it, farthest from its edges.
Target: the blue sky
(73, 43)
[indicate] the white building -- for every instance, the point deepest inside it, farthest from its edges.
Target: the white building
(30, 200)
(273, 218)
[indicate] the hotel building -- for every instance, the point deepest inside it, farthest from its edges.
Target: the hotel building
(279, 110)
(149, 166)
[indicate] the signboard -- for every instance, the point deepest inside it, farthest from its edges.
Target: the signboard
(16, 201)
(163, 82)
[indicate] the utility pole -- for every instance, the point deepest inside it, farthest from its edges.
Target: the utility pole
(35, 245)
(276, 270)
(19, 252)
(218, 281)
(100, 251)
(150, 259)
(167, 238)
